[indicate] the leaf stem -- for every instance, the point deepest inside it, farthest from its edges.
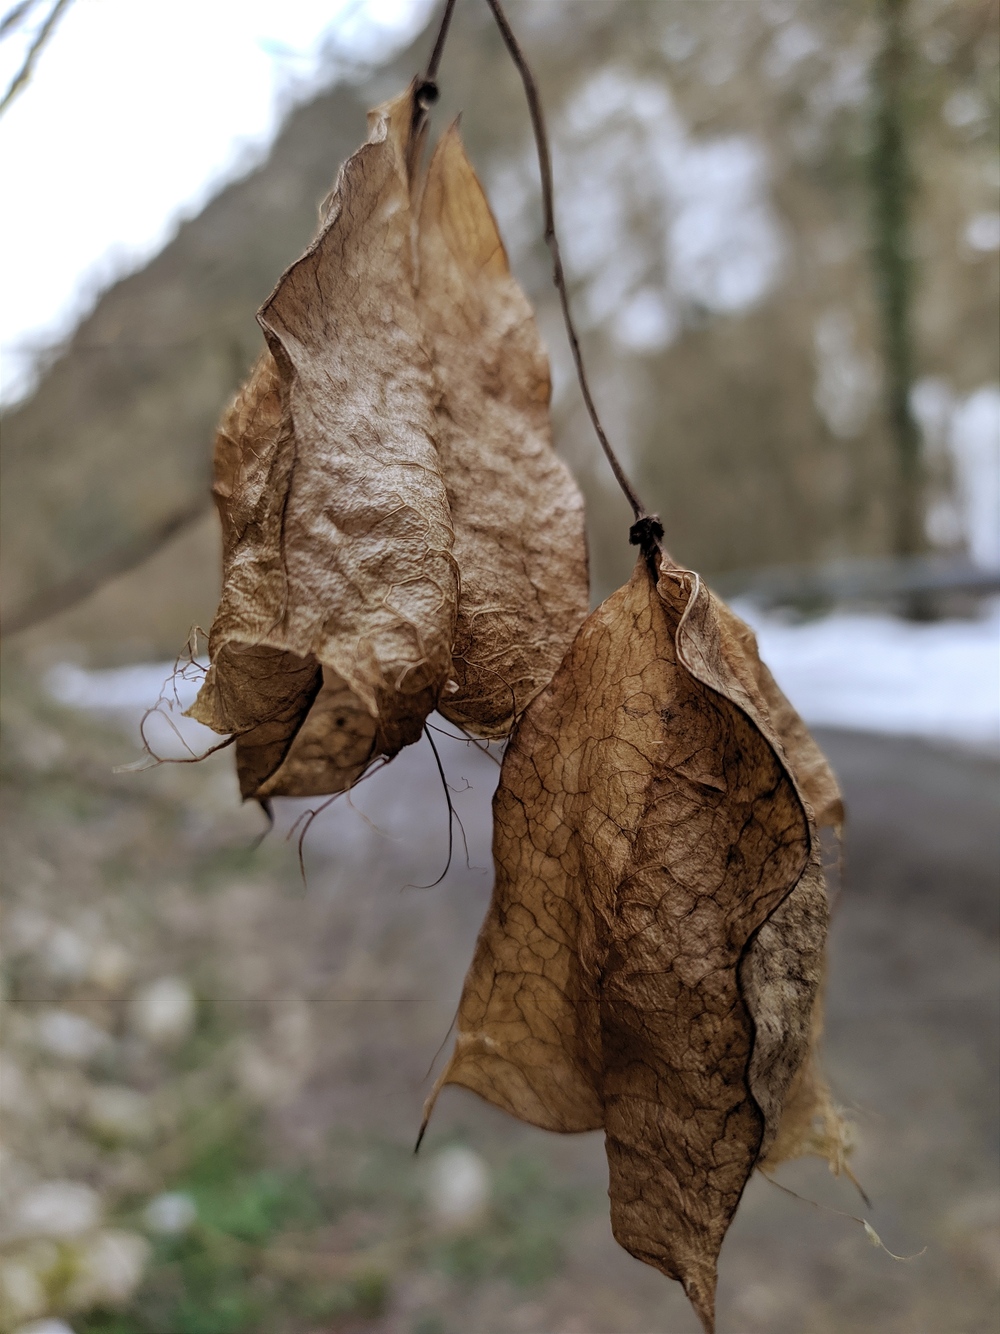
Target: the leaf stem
(426, 91)
(430, 75)
(647, 528)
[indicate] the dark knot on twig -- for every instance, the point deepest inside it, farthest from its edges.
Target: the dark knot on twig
(646, 533)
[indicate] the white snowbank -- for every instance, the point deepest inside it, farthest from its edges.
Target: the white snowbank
(875, 673)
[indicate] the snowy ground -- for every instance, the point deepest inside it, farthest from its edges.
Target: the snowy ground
(873, 673)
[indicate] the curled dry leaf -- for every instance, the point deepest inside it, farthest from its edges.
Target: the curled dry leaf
(332, 640)
(653, 953)
(518, 514)
(397, 530)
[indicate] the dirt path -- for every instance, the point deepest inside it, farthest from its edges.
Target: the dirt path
(324, 1005)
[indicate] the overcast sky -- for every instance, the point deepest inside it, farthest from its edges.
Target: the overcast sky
(138, 111)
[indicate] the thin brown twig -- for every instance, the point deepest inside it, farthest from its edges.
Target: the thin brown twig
(426, 91)
(430, 75)
(23, 75)
(12, 19)
(647, 530)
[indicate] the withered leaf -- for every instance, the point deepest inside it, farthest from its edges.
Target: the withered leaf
(652, 956)
(333, 638)
(398, 532)
(249, 683)
(517, 513)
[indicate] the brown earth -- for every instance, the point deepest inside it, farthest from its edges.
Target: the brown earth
(324, 1005)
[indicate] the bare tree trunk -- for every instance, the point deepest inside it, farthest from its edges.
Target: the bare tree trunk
(892, 188)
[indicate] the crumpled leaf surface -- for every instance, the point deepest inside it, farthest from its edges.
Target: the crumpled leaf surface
(653, 953)
(398, 533)
(517, 512)
(339, 579)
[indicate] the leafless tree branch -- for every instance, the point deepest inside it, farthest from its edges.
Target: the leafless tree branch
(12, 20)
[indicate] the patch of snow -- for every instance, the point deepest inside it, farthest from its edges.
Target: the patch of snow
(975, 445)
(939, 680)
(117, 687)
(967, 432)
(153, 690)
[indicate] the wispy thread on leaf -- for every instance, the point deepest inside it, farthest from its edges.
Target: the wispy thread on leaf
(186, 669)
(452, 817)
(307, 817)
(870, 1232)
(482, 746)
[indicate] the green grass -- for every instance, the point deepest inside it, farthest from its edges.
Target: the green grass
(521, 1239)
(222, 1277)
(217, 1278)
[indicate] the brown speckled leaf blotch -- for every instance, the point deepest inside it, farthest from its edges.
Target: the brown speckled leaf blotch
(653, 952)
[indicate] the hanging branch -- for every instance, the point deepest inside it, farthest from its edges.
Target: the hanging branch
(10, 22)
(647, 529)
(430, 77)
(427, 89)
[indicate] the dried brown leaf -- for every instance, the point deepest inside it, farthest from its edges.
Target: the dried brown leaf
(518, 514)
(397, 530)
(333, 638)
(653, 952)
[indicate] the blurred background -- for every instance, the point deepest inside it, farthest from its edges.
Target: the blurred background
(781, 224)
